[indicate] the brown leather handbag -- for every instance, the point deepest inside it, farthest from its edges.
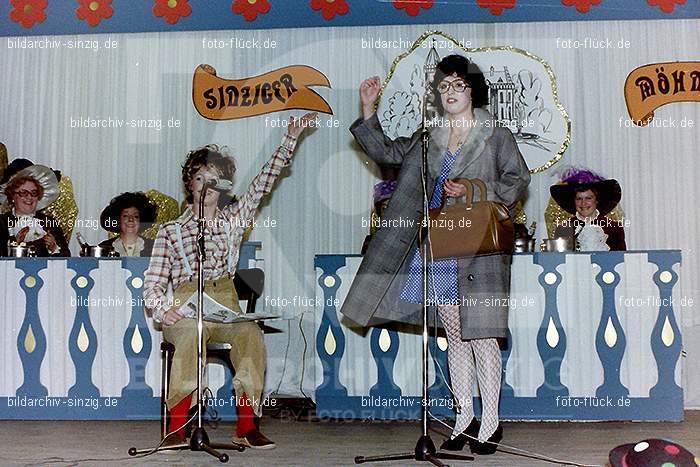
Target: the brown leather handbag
(474, 228)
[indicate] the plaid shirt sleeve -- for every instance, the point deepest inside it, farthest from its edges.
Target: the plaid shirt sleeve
(244, 210)
(158, 275)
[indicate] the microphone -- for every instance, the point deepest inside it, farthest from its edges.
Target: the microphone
(219, 184)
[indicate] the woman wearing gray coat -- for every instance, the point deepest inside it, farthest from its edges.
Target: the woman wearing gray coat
(471, 294)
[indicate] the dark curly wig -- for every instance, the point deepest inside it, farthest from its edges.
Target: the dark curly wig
(469, 72)
(201, 157)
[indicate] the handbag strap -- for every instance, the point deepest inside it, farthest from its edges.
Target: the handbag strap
(482, 188)
(470, 190)
(469, 185)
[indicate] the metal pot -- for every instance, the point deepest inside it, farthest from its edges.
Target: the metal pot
(559, 244)
(21, 251)
(98, 251)
(524, 245)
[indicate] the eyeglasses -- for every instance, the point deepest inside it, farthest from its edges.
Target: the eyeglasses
(458, 86)
(27, 193)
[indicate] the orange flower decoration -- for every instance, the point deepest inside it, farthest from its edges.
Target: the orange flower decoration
(94, 11)
(28, 12)
(250, 8)
(582, 6)
(496, 6)
(412, 7)
(172, 10)
(667, 6)
(330, 8)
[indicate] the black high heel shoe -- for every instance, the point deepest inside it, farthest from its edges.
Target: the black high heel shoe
(487, 447)
(457, 444)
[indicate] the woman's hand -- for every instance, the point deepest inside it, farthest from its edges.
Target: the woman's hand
(297, 125)
(50, 242)
(369, 90)
(21, 235)
(172, 316)
(453, 189)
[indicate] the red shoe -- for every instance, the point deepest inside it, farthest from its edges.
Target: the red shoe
(254, 439)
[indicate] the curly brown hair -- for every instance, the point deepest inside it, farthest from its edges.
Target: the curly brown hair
(211, 154)
(16, 182)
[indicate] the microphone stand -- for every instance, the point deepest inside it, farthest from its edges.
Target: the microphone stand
(425, 448)
(199, 441)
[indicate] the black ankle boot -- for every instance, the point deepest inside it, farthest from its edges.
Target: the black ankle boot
(457, 444)
(487, 447)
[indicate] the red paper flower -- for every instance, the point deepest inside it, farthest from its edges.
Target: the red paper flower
(94, 11)
(330, 8)
(666, 6)
(172, 10)
(28, 12)
(496, 6)
(412, 7)
(582, 6)
(250, 8)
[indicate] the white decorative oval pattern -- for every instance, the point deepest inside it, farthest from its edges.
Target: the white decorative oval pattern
(329, 344)
(610, 335)
(552, 334)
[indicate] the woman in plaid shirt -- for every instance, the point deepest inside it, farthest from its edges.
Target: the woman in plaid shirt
(174, 261)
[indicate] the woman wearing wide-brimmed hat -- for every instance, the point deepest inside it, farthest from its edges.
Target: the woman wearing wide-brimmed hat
(128, 215)
(28, 188)
(590, 197)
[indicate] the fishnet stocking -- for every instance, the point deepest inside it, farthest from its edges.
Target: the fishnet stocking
(462, 372)
(461, 356)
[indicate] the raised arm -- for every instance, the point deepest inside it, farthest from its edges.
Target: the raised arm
(369, 134)
(243, 212)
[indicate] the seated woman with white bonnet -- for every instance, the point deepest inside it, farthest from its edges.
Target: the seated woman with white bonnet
(28, 188)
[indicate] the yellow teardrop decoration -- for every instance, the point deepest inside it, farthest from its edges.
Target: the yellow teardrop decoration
(83, 339)
(552, 334)
(136, 341)
(667, 333)
(29, 340)
(610, 334)
(329, 342)
(384, 340)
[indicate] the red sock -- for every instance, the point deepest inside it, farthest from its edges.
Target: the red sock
(246, 416)
(178, 416)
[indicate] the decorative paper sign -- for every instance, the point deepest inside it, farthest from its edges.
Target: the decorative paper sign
(650, 86)
(282, 89)
(522, 95)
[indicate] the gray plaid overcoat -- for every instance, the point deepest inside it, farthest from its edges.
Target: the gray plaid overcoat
(489, 153)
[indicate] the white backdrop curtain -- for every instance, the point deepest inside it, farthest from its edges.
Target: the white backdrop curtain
(319, 205)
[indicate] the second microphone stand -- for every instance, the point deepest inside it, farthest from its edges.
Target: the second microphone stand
(199, 441)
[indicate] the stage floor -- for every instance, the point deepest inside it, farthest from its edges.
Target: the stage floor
(97, 443)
